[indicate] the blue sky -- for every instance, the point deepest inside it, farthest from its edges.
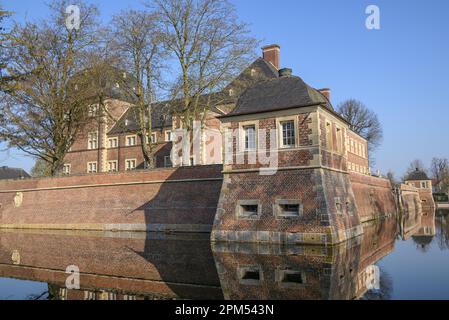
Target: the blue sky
(400, 71)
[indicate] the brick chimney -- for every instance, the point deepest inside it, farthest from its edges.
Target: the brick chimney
(272, 54)
(326, 92)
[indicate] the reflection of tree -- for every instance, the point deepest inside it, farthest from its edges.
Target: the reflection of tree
(41, 296)
(443, 234)
(385, 291)
(53, 292)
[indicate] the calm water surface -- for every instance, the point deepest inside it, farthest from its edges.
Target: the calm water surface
(404, 258)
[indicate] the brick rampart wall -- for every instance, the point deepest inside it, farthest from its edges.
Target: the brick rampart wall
(374, 196)
(177, 199)
(328, 208)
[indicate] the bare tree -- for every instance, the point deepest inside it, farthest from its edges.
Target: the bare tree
(392, 178)
(211, 46)
(138, 40)
(439, 168)
(3, 57)
(40, 169)
(362, 121)
(43, 112)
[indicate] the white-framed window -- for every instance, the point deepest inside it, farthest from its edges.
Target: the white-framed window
(93, 111)
(288, 136)
(153, 138)
(92, 140)
(113, 142)
(250, 137)
(168, 136)
(167, 162)
(352, 146)
(92, 167)
(329, 142)
(130, 164)
(339, 140)
(112, 166)
(131, 140)
(67, 168)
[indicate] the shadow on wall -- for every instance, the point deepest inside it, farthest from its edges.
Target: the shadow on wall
(189, 206)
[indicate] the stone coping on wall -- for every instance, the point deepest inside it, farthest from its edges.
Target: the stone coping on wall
(156, 176)
(119, 227)
(369, 180)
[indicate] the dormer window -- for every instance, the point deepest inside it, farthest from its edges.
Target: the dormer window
(131, 140)
(253, 72)
(231, 92)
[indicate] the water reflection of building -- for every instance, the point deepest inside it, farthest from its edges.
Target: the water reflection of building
(304, 272)
(113, 265)
(128, 266)
(427, 229)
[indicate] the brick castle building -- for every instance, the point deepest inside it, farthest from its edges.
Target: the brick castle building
(273, 163)
(110, 143)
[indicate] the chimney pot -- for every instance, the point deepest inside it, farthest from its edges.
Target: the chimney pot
(326, 92)
(272, 54)
(285, 72)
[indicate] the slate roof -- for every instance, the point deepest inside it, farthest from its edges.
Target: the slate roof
(12, 173)
(417, 175)
(278, 94)
(161, 117)
(128, 121)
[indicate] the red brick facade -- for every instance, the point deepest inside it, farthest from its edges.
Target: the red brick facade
(82, 153)
(177, 199)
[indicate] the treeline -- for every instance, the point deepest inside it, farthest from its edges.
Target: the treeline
(51, 71)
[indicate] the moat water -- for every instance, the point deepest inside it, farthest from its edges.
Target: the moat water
(396, 258)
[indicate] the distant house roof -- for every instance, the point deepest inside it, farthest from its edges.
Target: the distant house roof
(12, 173)
(417, 175)
(278, 94)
